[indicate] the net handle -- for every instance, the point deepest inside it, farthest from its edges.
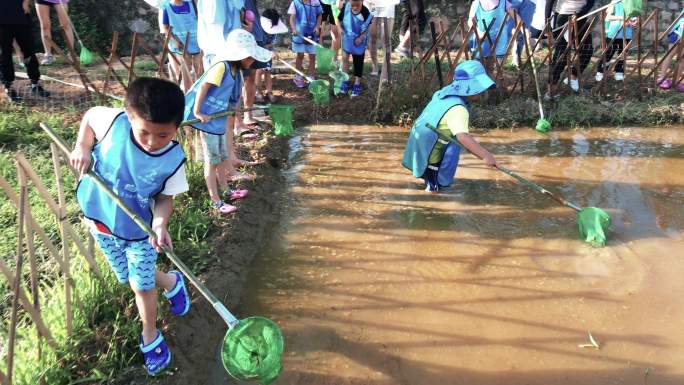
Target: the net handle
(517, 177)
(221, 115)
(230, 320)
(298, 72)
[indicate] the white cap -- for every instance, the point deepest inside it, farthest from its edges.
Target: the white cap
(273, 29)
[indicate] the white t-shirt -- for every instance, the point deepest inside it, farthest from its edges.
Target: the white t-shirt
(101, 118)
(382, 8)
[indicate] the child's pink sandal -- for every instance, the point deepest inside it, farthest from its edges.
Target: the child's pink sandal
(664, 84)
(223, 207)
(237, 194)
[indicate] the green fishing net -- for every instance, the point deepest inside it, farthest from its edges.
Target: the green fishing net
(252, 350)
(281, 116)
(86, 57)
(324, 60)
(338, 77)
(543, 125)
(593, 225)
(633, 8)
(320, 89)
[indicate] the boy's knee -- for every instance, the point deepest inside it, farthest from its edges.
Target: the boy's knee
(143, 286)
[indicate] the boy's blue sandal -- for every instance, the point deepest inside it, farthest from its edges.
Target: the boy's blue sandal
(157, 355)
(356, 90)
(178, 296)
(344, 87)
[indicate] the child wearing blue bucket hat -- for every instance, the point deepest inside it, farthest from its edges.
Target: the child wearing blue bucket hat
(426, 154)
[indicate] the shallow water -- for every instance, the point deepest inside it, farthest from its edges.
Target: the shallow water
(375, 281)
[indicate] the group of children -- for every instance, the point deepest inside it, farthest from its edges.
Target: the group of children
(133, 150)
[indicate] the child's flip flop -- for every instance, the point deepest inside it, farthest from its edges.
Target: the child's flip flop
(223, 207)
(237, 194)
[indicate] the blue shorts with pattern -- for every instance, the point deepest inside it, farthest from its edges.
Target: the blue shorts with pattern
(131, 261)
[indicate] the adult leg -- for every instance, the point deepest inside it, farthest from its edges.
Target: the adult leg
(63, 17)
(6, 64)
(250, 93)
(24, 38)
(559, 60)
(587, 48)
(43, 12)
(609, 54)
(620, 65)
(373, 44)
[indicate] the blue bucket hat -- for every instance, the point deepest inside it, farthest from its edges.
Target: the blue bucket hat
(470, 78)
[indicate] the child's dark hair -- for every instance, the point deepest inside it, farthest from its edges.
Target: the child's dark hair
(155, 100)
(272, 15)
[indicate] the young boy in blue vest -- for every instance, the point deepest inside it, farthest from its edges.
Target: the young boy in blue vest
(181, 17)
(218, 90)
(426, 154)
(354, 25)
(133, 151)
(305, 21)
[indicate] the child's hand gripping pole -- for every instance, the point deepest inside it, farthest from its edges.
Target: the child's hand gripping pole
(298, 72)
(311, 41)
(230, 320)
(517, 177)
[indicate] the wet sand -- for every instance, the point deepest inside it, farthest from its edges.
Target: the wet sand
(375, 281)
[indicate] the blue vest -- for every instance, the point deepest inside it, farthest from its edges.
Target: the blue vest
(614, 29)
(135, 175)
(495, 17)
(353, 27)
(678, 29)
(219, 99)
(422, 140)
(181, 24)
(257, 30)
(305, 20)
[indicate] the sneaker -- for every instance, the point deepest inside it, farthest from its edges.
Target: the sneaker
(157, 355)
(299, 81)
(37, 89)
(619, 76)
(47, 60)
(178, 296)
(13, 95)
(356, 90)
(574, 84)
(374, 71)
(344, 87)
(599, 76)
(664, 84)
(403, 52)
(549, 98)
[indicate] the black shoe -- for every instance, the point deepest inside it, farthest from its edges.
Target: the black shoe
(13, 95)
(37, 89)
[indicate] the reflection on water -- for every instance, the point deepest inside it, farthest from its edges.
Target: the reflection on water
(376, 282)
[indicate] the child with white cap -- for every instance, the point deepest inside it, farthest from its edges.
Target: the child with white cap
(219, 90)
(426, 154)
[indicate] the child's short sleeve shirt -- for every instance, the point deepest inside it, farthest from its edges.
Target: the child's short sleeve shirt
(100, 120)
(455, 120)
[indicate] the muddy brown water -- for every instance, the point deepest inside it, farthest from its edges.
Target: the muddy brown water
(375, 281)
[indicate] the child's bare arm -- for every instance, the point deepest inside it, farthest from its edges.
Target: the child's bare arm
(163, 207)
(293, 24)
(80, 157)
(476, 149)
(319, 23)
(199, 100)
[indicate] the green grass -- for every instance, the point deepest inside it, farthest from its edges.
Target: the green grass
(106, 326)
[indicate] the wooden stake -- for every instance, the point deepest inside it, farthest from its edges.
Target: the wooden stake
(438, 63)
(62, 218)
(33, 265)
(42, 190)
(23, 193)
(134, 52)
